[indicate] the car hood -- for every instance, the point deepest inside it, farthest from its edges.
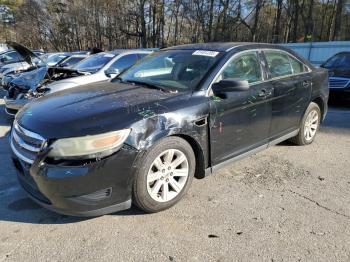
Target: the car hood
(27, 55)
(13, 65)
(31, 79)
(83, 78)
(94, 109)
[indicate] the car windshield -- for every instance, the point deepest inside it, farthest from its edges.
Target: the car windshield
(339, 60)
(54, 59)
(173, 69)
(70, 61)
(94, 63)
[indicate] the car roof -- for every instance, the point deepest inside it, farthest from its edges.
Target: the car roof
(342, 53)
(136, 50)
(78, 55)
(223, 47)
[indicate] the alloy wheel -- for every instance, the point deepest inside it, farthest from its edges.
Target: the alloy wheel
(167, 175)
(311, 125)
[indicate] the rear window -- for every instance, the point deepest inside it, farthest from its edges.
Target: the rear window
(278, 63)
(297, 66)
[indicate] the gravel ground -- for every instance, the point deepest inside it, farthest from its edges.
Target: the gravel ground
(287, 203)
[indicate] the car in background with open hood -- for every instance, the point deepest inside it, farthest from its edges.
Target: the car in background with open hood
(99, 67)
(29, 60)
(68, 60)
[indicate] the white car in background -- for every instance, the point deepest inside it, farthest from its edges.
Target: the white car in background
(100, 67)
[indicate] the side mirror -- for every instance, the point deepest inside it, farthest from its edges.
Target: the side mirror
(112, 72)
(230, 85)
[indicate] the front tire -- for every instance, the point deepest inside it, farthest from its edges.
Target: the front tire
(164, 175)
(309, 126)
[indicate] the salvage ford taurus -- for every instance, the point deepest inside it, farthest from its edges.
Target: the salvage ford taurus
(181, 113)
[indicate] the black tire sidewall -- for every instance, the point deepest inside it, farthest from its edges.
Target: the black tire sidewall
(140, 195)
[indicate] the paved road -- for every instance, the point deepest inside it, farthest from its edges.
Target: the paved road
(287, 203)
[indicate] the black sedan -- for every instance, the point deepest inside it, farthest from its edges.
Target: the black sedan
(183, 112)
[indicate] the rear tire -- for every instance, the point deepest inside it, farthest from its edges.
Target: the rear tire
(164, 175)
(309, 126)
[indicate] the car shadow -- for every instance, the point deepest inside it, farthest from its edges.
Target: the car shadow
(338, 101)
(338, 116)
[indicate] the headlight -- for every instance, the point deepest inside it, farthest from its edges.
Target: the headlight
(89, 146)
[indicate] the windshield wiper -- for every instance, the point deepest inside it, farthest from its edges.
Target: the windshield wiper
(146, 84)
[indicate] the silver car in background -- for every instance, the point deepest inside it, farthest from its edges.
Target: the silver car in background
(100, 67)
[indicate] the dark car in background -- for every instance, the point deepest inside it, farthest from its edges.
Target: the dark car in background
(182, 112)
(338, 67)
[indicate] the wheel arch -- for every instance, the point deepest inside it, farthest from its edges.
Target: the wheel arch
(198, 152)
(321, 104)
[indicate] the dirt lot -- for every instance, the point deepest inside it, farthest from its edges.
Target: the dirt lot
(287, 203)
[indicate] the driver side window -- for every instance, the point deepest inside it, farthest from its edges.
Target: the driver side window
(244, 67)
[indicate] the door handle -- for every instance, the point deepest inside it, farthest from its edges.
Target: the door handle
(264, 93)
(306, 83)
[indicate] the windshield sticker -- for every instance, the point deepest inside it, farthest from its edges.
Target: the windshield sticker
(108, 55)
(205, 53)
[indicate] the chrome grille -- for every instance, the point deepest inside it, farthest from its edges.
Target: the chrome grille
(25, 144)
(338, 82)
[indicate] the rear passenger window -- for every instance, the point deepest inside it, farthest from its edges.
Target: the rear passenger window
(297, 66)
(278, 64)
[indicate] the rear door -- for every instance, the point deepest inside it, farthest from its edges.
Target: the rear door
(292, 84)
(240, 121)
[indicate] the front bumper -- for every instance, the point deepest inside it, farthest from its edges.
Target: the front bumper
(89, 189)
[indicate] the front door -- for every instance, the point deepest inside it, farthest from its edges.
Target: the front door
(240, 121)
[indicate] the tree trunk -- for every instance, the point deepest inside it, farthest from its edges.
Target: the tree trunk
(276, 34)
(337, 23)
